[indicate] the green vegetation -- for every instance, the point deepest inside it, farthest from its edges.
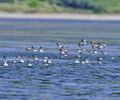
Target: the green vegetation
(48, 6)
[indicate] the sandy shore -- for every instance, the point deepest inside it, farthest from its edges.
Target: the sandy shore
(61, 16)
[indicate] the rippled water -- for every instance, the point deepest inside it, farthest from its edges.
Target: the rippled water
(63, 80)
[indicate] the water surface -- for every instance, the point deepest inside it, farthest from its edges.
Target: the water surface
(64, 79)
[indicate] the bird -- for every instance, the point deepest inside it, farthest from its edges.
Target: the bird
(40, 49)
(14, 62)
(20, 59)
(33, 49)
(59, 46)
(29, 64)
(5, 64)
(99, 60)
(47, 61)
(63, 51)
(113, 58)
(5, 61)
(94, 46)
(35, 59)
(87, 60)
(80, 51)
(77, 60)
(28, 49)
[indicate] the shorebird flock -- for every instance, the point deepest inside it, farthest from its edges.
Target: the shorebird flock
(95, 48)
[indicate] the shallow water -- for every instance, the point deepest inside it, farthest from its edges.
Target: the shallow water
(63, 80)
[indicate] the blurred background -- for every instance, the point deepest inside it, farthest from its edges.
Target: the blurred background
(60, 6)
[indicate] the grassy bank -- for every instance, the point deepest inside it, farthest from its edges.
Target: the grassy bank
(59, 6)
